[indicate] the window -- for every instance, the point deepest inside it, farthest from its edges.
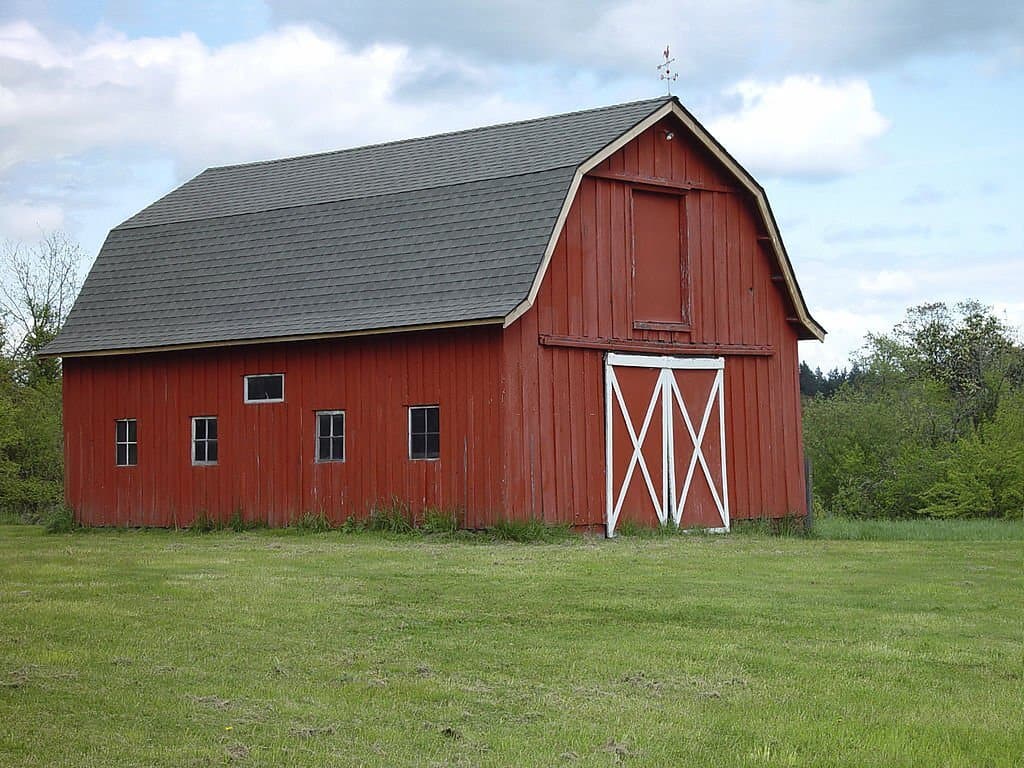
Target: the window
(126, 439)
(204, 439)
(330, 435)
(424, 432)
(264, 388)
(661, 290)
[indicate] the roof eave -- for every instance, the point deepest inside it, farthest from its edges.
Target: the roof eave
(116, 351)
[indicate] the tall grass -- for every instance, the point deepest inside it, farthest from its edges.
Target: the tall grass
(857, 529)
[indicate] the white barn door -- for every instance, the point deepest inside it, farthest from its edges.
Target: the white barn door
(665, 441)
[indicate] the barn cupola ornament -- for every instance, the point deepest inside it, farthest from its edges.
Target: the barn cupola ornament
(665, 71)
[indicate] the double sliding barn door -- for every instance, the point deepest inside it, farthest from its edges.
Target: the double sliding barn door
(665, 433)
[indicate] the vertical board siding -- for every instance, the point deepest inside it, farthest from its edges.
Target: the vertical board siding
(267, 469)
(555, 396)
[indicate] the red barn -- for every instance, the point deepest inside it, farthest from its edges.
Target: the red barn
(584, 318)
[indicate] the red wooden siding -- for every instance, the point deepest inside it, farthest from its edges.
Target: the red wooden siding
(266, 465)
(554, 391)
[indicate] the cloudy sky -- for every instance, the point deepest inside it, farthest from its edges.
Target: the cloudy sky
(888, 135)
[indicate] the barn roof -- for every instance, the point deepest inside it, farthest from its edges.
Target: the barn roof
(450, 229)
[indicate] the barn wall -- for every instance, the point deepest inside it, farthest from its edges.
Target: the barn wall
(554, 389)
(266, 466)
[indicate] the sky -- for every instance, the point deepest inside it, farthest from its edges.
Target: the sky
(887, 134)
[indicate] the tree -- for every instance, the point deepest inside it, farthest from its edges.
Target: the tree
(39, 286)
(973, 353)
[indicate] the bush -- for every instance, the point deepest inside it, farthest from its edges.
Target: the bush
(392, 517)
(311, 522)
(61, 519)
(441, 521)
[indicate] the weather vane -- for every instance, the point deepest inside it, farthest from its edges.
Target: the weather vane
(666, 73)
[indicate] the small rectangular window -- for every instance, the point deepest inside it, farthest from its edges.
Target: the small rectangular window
(204, 439)
(264, 388)
(424, 432)
(330, 435)
(126, 440)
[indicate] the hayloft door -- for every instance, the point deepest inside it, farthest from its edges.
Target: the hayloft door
(665, 441)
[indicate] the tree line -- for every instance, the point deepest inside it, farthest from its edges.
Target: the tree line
(927, 420)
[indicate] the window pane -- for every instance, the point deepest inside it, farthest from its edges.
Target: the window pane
(255, 389)
(433, 446)
(339, 424)
(211, 451)
(133, 454)
(433, 420)
(211, 428)
(199, 450)
(419, 420)
(274, 387)
(122, 455)
(419, 446)
(338, 448)
(131, 431)
(122, 431)
(323, 425)
(200, 429)
(323, 449)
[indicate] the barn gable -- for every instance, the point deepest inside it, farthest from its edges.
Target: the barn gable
(723, 168)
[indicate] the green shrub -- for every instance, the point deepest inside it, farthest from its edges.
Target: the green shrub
(312, 522)
(203, 522)
(61, 519)
(392, 517)
(441, 521)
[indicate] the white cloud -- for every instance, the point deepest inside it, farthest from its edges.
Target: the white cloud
(1012, 312)
(803, 125)
(888, 283)
(297, 89)
(289, 91)
(28, 221)
(716, 41)
(847, 330)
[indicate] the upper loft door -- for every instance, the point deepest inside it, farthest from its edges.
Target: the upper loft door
(661, 281)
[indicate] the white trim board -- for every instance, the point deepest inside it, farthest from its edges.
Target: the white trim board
(666, 361)
(711, 144)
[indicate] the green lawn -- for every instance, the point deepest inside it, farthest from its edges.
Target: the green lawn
(265, 648)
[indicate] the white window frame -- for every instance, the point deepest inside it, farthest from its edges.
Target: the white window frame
(127, 443)
(317, 436)
(411, 408)
(245, 388)
(207, 440)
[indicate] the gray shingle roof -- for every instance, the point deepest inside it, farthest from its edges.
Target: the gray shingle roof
(439, 229)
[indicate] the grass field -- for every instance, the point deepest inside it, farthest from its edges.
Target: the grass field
(269, 648)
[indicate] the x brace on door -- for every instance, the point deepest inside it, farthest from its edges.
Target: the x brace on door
(666, 504)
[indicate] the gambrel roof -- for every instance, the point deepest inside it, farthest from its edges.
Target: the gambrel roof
(444, 230)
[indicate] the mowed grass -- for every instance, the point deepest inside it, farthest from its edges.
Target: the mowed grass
(266, 648)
